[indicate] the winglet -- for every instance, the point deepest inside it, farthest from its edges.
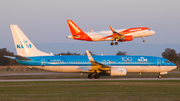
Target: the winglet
(89, 56)
(114, 32)
(91, 30)
(111, 28)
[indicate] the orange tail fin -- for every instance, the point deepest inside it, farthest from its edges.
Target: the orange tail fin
(75, 30)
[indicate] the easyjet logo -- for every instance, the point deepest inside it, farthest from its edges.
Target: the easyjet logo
(134, 30)
(73, 26)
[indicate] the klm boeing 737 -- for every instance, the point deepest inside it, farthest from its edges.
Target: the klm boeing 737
(95, 66)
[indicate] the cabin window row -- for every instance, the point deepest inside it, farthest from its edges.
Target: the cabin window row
(110, 62)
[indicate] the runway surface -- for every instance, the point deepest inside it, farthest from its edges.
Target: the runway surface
(51, 73)
(120, 79)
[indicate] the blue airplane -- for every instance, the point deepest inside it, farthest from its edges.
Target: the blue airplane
(95, 66)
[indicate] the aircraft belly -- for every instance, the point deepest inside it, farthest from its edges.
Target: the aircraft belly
(147, 69)
(135, 35)
(86, 69)
(99, 38)
(135, 69)
(64, 69)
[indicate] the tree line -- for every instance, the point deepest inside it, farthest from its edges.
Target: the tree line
(69, 53)
(169, 54)
(4, 60)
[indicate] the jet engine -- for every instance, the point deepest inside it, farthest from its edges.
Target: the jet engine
(118, 71)
(126, 38)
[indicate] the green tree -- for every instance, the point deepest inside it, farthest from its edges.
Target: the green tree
(171, 55)
(121, 53)
(68, 53)
(90, 53)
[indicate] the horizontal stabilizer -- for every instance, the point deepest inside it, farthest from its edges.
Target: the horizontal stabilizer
(18, 57)
(10, 57)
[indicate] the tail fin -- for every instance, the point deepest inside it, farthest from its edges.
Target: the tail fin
(23, 45)
(75, 30)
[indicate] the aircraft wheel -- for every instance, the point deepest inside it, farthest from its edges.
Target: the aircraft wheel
(143, 40)
(96, 76)
(90, 76)
(159, 76)
(112, 43)
(116, 43)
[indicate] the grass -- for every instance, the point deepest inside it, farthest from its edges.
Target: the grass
(91, 90)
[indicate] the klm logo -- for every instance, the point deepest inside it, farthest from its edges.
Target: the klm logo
(142, 59)
(25, 45)
(120, 71)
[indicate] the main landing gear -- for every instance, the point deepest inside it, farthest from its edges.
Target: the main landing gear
(91, 76)
(116, 43)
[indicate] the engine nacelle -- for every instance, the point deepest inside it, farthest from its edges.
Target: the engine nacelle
(118, 71)
(126, 38)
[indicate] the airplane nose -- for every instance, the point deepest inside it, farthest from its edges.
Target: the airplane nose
(152, 32)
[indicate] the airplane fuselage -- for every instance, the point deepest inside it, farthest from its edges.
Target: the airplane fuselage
(81, 64)
(100, 36)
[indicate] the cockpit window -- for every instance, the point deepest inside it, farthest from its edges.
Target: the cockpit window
(149, 29)
(167, 61)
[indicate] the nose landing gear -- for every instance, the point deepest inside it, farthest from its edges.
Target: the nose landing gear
(143, 39)
(159, 76)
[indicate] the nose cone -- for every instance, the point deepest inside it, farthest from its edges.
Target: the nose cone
(152, 32)
(173, 66)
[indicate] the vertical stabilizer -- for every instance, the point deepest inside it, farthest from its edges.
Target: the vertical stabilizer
(75, 30)
(23, 45)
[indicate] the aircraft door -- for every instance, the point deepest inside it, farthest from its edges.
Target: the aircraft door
(158, 62)
(158, 65)
(42, 62)
(108, 62)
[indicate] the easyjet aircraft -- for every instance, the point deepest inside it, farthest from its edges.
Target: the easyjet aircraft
(120, 35)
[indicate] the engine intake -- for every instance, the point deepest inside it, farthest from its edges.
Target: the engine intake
(118, 71)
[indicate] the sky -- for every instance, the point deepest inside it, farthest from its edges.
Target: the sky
(44, 23)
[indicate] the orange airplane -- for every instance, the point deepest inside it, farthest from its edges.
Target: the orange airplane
(120, 35)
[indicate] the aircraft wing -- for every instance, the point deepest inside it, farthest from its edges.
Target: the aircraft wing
(115, 35)
(96, 65)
